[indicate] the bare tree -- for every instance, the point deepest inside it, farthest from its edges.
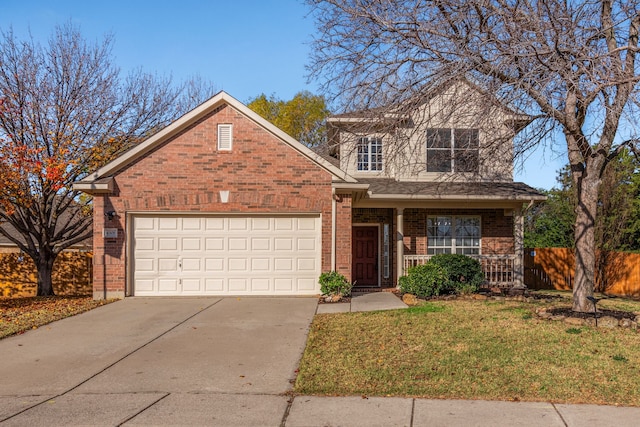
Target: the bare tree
(570, 65)
(64, 111)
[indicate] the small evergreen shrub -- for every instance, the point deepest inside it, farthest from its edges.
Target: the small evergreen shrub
(424, 281)
(464, 274)
(334, 283)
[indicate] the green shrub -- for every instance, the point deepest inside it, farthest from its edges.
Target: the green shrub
(424, 280)
(334, 283)
(464, 274)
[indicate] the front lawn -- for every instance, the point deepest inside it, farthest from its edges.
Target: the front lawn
(472, 350)
(18, 315)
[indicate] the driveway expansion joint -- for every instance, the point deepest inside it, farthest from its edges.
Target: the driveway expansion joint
(113, 364)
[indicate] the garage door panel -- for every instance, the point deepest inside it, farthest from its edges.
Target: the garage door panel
(260, 244)
(260, 224)
(144, 285)
(167, 285)
(238, 244)
(191, 285)
(145, 223)
(168, 223)
(306, 223)
(217, 255)
(168, 244)
(189, 223)
(214, 264)
(191, 264)
(284, 244)
(214, 223)
(167, 264)
(306, 284)
(283, 224)
(191, 244)
(238, 224)
(145, 265)
(238, 285)
(214, 244)
(306, 264)
(260, 285)
(237, 264)
(260, 264)
(214, 285)
(306, 244)
(283, 265)
(145, 244)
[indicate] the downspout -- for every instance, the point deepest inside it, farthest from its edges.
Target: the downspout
(334, 215)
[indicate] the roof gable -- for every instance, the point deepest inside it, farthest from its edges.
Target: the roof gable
(98, 181)
(404, 110)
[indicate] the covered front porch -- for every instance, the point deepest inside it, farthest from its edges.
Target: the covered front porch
(391, 233)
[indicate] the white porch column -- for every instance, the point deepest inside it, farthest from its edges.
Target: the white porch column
(518, 234)
(400, 243)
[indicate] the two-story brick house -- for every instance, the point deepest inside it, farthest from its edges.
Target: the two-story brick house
(221, 202)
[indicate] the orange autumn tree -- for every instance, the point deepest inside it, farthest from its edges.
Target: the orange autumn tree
(65, 110)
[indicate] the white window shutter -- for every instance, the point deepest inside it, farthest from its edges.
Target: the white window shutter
(225, 137)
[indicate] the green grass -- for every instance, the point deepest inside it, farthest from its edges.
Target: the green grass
(470, 350)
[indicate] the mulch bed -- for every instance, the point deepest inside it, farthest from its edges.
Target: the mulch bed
(321, 300)
(567, 312)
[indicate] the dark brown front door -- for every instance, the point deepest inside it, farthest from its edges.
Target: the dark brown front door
(365, 256)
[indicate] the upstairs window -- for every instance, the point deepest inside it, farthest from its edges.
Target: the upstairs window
(452, 150)
(453, 235)
(369, 154)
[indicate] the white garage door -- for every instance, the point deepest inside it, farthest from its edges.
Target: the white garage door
(215, 255)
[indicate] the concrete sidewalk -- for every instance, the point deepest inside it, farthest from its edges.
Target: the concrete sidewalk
(392, 411)
(367, 302)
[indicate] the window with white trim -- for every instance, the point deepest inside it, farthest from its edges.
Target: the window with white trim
(369, 154)
(452, 150)
(453, 235)
(225, 137)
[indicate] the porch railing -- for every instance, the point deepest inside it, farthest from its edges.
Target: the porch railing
(498, 269)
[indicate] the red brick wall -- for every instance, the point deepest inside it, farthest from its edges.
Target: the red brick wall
(343, 235)
(262, 174)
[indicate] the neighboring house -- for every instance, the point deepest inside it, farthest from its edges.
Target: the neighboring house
(221, 202)
(8, 246)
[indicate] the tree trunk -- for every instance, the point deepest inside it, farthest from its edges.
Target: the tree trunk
(586, 211)
(45, 269)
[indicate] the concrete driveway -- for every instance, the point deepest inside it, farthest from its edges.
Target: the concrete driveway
(143, 361)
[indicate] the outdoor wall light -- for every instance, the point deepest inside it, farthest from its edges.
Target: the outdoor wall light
(110, 215)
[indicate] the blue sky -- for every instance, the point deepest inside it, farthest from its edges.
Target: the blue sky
(245, 47)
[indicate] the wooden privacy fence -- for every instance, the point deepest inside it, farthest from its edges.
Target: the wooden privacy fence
(617, 273)
(72, 274)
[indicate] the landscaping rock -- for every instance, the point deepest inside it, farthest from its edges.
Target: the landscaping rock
(496, 290)
(498, 298)
(410, 299)
(480, 297)
(558, 317)
(545, 315)
(333, 298)
(607, 322)
(626, 323)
